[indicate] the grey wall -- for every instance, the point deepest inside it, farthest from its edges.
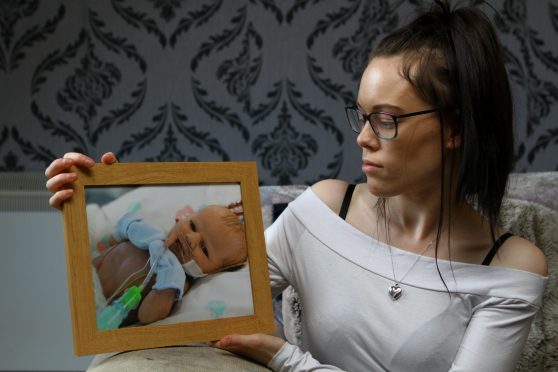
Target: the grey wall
(210, 80)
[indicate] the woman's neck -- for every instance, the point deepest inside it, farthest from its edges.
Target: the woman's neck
(415, 216)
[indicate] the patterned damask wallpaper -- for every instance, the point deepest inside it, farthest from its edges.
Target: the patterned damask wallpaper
(211, 80)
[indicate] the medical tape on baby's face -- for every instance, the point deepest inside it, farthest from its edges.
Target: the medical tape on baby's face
(193, 269)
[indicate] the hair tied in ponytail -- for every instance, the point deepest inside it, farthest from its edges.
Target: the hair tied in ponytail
(444, 6)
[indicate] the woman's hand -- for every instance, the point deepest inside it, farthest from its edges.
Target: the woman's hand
(59, 178)
(259, 347)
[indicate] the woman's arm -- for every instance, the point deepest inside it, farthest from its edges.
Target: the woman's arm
(495, 336)
(272, 352)
(498, 329)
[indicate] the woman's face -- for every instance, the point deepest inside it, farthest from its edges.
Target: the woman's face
(411, 161)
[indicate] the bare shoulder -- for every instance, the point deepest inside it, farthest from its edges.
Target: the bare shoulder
(331, 192)
(521, 254)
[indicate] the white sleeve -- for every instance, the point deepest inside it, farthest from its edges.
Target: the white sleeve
(290, 358)
(495, 336)
(280, 239)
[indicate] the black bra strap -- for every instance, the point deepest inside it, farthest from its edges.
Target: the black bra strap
(347, 201)
(497, 244)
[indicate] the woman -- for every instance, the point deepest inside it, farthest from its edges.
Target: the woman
(419, 276)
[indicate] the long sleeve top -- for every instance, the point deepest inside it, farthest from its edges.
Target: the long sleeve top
(350, 322)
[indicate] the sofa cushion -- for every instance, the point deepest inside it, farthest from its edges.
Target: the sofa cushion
(538, 224)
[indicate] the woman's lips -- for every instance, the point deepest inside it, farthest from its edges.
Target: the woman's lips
(368, 166)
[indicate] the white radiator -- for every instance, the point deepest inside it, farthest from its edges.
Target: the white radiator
(23, 191)
(35, 327)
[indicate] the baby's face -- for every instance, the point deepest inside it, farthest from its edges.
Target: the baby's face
(213, 237)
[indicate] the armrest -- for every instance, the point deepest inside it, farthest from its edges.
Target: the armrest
(193, 357)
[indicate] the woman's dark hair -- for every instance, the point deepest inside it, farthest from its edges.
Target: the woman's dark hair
(454, 59)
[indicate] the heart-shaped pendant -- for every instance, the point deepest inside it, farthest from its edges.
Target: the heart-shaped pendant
(395, 292)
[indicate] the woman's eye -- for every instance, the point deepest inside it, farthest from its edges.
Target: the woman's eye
(192, 225)
(386, 123)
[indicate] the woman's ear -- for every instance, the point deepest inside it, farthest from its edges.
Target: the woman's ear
(453, 142)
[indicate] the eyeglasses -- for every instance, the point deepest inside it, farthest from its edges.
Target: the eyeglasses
(383, 124)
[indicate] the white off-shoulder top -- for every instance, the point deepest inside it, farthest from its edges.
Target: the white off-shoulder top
(350, 322)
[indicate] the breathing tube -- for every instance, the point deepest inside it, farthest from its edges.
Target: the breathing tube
(114, 314)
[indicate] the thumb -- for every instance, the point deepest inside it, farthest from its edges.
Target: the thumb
(258, 347)
(109, 158)
(171, 239)
(233, 341)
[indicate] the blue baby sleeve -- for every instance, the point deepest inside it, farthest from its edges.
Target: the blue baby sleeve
(170, 273)
(139, 232)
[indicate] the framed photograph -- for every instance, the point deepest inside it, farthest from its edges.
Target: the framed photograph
(162, 254)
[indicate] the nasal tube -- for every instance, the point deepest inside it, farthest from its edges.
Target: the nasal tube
(114, 314)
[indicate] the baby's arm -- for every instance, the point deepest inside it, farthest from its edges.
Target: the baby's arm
(158, 304)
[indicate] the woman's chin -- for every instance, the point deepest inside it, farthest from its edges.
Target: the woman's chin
(378, 189)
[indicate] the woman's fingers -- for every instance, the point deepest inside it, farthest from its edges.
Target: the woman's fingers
(58, 186)
(58, 177)
(258, 347)
(60, 197)
(59, 181)
(57, 166)
(79, 159)
(64, 163)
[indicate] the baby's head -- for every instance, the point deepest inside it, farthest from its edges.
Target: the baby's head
(213, 237)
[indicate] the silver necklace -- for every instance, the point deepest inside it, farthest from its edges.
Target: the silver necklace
(395, 291)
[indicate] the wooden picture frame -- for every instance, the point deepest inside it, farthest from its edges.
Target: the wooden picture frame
(88, 338)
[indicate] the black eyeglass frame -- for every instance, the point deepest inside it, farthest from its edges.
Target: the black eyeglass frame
(394, 117)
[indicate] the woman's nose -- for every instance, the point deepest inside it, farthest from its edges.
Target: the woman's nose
(367, 138)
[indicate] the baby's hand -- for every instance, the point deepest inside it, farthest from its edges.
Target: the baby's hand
(177, 241)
